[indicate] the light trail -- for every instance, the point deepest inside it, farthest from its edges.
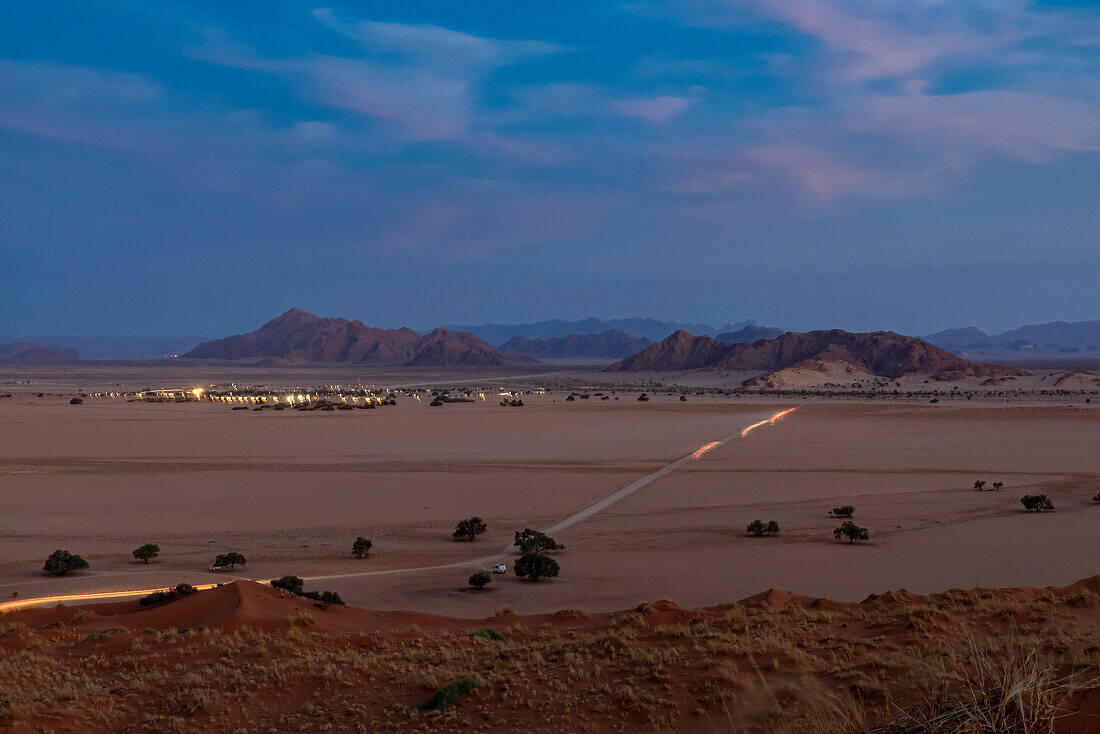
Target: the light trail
(767, 421)
(38, 601)
(506, 552)
(705, 449)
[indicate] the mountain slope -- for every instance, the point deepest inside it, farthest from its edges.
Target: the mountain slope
(299, 337)
(611, 344)
(680, 351)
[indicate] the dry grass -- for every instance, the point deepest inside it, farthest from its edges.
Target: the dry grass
(947, 661)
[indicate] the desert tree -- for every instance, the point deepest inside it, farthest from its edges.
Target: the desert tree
(1096, 498)
(851, 531)
(534, 541)
(643, 398)
(479, 580)
(536, 566)
(62, 562)
(361, 547)
(998, 485)
(979, 485)
(293, 584)
(843, 511)
(1036, 502)
(232, 560)
(469, 528)
(146, 552)
(760, 528)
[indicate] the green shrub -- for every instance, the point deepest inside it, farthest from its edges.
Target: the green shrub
(489, 633)
(479, 580)
(447, 695)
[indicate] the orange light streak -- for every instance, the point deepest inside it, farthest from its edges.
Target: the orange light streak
(767, 421)
(705, 449)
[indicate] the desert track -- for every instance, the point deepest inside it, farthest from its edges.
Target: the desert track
(568, 522)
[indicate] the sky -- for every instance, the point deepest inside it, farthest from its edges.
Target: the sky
(200, 167)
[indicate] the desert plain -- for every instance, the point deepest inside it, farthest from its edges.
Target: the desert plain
(292, 489)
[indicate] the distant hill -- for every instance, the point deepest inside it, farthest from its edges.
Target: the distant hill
(299, 337)
(749, 334)
(881, 353)
(1050, 339)
(33, 353)
(641, 328)
(116, 347)
(611, 344)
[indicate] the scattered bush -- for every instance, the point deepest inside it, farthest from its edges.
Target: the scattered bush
(158, 597)
(536, 566)
(843, 511)
(570, 399)
(62, 562)
(851, 531)
(479, 580)
(447, 695)
(361, 547)
(759, 528)
(1037, 502)
(230, 560)
(469, 528)
(998, 485)
(76, 401)
(979, 485)
(1096, 498)
(146, 552)
(643, 398)
(436, 403)
(489, 633)
(533, 541)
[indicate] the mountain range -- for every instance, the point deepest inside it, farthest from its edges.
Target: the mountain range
(880, 353)
(641, 328)
(1055, 337)
(299, 337)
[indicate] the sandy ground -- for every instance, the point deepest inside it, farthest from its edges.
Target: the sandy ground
(291, 491)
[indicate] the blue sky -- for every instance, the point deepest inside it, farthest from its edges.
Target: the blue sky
(199, 167)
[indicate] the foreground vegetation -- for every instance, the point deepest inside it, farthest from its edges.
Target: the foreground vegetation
(890, 664)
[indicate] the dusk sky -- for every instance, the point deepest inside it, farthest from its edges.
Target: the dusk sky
(171, 168)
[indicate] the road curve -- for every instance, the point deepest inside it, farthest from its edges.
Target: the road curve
(577, 517)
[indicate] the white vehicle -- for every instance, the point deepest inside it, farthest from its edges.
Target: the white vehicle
(500, 568)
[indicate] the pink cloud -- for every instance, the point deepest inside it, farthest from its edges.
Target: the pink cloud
(655, 110)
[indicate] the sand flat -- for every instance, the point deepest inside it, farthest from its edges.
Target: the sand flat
(291, 490)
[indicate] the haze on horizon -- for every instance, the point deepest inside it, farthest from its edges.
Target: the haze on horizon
(201, 167)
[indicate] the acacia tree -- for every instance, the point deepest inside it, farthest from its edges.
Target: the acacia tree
(1036, 502)
(843, 511)
(1096, 498)
(534, 541)
(851, 531)
(479, 580)
(979, 485)
(361, 547)
(536, 566)
(62, 562)
(469, 528)
(760, 528)
(998, 485)
(232, 560)
(146, 552)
